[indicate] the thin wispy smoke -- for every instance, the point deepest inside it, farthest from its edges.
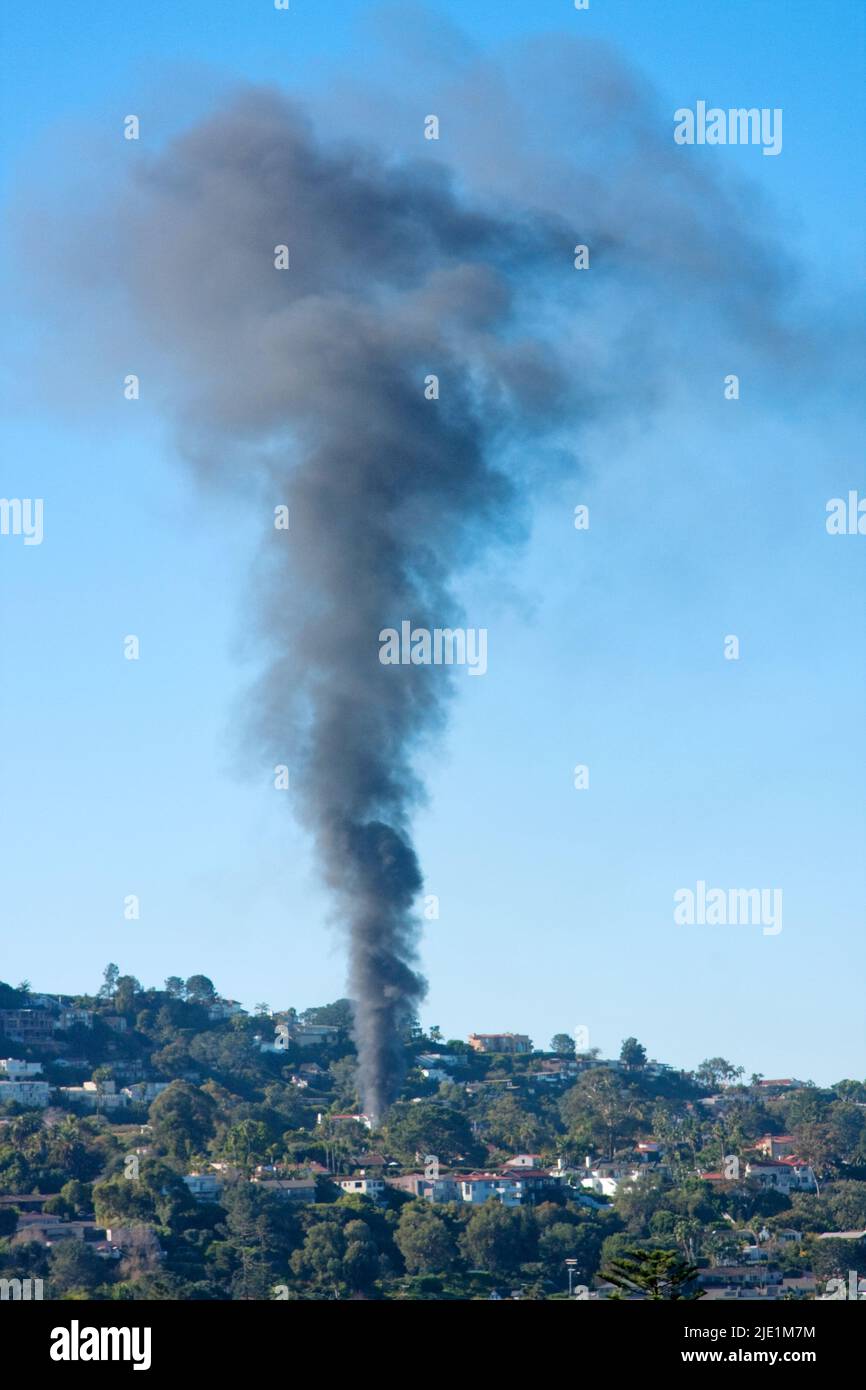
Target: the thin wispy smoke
(307, 386)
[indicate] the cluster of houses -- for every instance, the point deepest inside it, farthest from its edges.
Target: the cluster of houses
(21, 1082)
(523, 1178)
(48, 1014)
(35, 1224)
(774, 1167)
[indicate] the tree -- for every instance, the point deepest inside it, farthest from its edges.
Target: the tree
(175, 987)
(598, 1109)
(563, 1241)
(514, 1125)
(563, 1044)
(58, 1206)
(848, 1203)
(814, 1145)
(321, 1257)
(424, 1239)
(79, 1195)
(660, 1274)
(182, 1119)
(833, 1258)
(142, 1254)
(339, 1014)
(716, 1071)
(110, 976)
(848, 1132)
(632, 1055)
(493, 1239)
(75, 1267)
(429, 1128)
(124, 995)
(687, 1232)
(246, 1142)
(200, 990)
(361, 1258)
(257, 1228)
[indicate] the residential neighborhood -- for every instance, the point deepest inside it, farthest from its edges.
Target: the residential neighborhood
(146, 1134)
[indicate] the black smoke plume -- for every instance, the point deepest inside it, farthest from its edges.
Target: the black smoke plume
(306, 387)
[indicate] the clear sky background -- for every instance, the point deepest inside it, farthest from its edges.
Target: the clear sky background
(556, 905)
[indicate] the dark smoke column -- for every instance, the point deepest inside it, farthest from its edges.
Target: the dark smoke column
(306, 386)
(385, 988)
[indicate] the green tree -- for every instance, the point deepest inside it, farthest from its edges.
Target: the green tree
(716, 1072)
(600, 1110)
(361, 1258)
(513, 1124)
(321, 1257)
(424, 1239)
(340, 1014)
(258, 1227)
(182, 1119)
(124, 995)
(632, 1055)
(429, 1128)
(79, 1195)
(660, 1274)
(848, 1203)
(246, 1142)
(74, 1267)
(58, 1206)
(110, 976)
(563, 1044)
(493, 1239)
(831, 1259)
(562, 1240)
(200, 989)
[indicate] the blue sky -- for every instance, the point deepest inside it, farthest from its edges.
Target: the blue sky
(555, 905)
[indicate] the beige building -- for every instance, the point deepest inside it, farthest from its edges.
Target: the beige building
(500, 1042)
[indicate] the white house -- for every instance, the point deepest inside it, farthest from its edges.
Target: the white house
(439, 1059)
(25, 1092)
(222, 1009)
(93, 1097)
(363, 1186)
(14, 1070)
(478, 1188)
(788, 1175)
(606, 1178)
(143, 1092)
(344, 1119)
